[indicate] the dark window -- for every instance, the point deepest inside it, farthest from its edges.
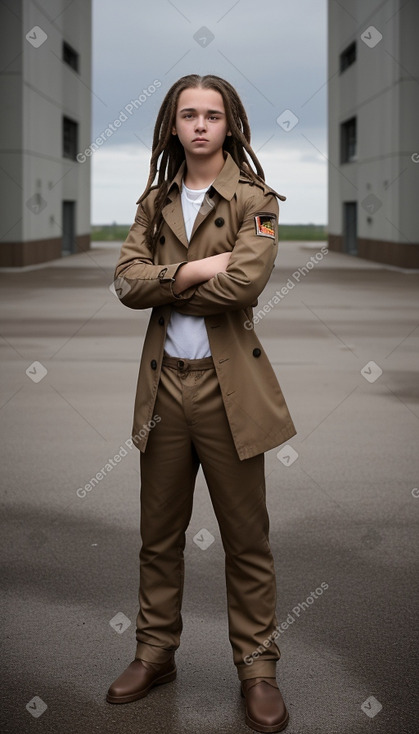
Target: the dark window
(70, 138)
(348, 56)
(70, 56)
(348, 140)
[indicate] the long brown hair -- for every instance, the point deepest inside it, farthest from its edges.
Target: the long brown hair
(171, 150)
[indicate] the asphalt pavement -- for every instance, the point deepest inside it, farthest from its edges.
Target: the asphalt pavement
(343, 498)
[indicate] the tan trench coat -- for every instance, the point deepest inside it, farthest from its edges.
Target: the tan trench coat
(231, 218)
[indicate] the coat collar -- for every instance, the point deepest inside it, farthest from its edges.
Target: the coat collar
(225, 183)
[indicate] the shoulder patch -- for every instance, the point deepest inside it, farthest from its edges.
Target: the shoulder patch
(265, 225)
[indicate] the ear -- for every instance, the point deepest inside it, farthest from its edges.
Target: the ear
(228, 133)
(174, 130)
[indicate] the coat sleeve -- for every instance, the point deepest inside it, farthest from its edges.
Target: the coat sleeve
(250, 266)
(138, 282)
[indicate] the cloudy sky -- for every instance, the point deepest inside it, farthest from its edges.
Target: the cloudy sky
(274, 52)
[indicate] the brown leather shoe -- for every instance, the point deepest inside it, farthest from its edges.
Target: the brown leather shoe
(138, 679)
(265, 707)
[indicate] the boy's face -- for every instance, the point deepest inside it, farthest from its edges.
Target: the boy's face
(201, 123)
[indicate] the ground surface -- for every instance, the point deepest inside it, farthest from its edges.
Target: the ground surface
(343, 513)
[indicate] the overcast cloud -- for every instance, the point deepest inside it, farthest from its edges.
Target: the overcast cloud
(273, 52)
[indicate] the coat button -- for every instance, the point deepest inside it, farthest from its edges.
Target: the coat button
(219, 222)
(162, 239)
(153, 364)
(257, 352)
(161, 320)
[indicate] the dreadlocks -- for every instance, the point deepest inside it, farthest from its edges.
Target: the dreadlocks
(171, 150)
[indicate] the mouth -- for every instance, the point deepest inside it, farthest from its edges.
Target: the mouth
(200, 140)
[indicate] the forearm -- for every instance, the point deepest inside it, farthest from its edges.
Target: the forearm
(199, 271)
(239, 287)
(141, 284)
(138, 281)
(249, 268)
(144, 285)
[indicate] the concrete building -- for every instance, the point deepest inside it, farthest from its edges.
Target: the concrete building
(46, 94)
(373, 101)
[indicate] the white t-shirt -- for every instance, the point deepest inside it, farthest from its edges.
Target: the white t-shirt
(187, 335)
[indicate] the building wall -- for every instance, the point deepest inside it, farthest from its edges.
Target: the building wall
(380, 90)
(38, 88)
(11, 122)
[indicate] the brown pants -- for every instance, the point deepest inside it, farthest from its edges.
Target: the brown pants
(194, 430)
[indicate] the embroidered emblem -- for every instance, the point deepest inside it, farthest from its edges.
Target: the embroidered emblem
(265, 225)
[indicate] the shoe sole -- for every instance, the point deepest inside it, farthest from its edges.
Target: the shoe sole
(264, 727)
(167, 678)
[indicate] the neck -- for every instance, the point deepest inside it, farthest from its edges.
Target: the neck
(202, 170)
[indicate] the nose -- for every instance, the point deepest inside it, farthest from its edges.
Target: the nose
(200, 123)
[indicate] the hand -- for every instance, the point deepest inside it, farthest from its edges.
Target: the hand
(210, 266)
(199, 271)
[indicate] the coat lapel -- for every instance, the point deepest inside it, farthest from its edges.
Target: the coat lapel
(208, 204)
(172, 212)
(224, 185)
(173, 216)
